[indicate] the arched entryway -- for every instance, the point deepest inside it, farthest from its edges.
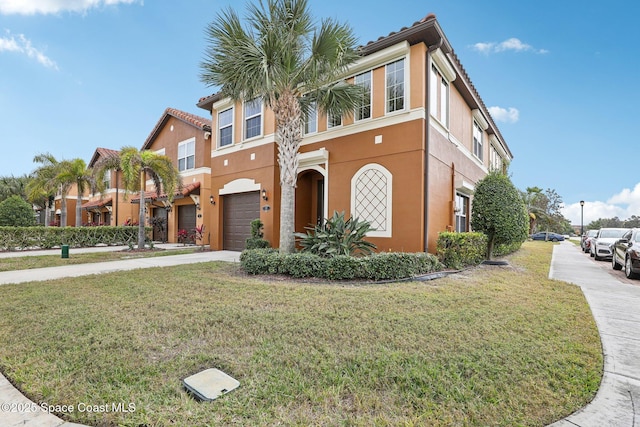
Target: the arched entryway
(310, 199)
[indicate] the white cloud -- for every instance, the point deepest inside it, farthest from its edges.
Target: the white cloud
(20, 44)
(33, 7)
(500, 114)
(622, 205)
(512, 44)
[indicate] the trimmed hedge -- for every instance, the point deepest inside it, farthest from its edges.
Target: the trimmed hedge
(381, 266)
(21, 238)
(459, 250)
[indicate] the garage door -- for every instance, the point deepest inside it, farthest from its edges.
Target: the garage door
(239, 210)
(187, 220)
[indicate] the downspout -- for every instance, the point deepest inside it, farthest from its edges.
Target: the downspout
(117, 197)
(427, 122)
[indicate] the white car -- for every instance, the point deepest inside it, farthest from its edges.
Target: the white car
(602, 242)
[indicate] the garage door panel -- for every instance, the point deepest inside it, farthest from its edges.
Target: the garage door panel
(238, 212)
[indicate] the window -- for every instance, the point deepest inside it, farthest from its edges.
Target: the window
(439, 97)
(395, 86)
(495, 160)
(462, 211)
(107, 180)
(225, 127)
(477, 140)
(371, 198)
(363, 111)
(334, 120)
(186, 155)
(252, 118)
(311, 122)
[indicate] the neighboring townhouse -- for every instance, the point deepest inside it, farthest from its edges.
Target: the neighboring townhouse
(407, 160)
(71, 201)
(186, 139)
(112, 206)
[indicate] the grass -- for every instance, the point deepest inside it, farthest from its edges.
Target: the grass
(41, 261)
(498, 346)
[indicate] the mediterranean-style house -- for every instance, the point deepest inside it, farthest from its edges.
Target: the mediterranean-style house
(186, 139)
(407, 160)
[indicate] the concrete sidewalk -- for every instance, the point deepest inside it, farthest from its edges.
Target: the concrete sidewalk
(76, 270)
(15, 408)
(615, 307)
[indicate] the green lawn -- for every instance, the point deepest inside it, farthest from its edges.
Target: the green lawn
(490, 346)
(41, 261)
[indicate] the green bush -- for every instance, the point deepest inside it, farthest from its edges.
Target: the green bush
(337, 236)
(21, 238)
(459, 250)
(382, 266)
(256, 240)
(16, 212)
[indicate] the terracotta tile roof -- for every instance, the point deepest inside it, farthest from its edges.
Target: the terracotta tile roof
(102, 153)
(182, 192)
(97, 203)
(196, 121)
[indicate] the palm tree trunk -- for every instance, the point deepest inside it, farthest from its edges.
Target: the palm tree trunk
(288, 138)
(141, 233)
(79, 210)
(63, 211)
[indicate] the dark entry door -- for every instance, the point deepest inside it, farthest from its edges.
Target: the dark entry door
(238, 212)
(187, 220)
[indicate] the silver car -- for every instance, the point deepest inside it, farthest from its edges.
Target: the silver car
(601, 244)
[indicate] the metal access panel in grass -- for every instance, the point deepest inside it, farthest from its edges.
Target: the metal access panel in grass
(210, 384)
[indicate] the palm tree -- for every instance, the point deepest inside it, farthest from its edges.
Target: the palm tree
(75, 172)
(44, 185)
(288, 63)
(136, 165)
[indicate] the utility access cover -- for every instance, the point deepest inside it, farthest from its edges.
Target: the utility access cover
(210, 384)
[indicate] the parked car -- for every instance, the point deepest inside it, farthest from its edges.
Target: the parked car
(585, 244)
(547, 236)
(601, 244)
(626, 253)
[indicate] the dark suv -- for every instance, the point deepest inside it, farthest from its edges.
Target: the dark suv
(626, 253)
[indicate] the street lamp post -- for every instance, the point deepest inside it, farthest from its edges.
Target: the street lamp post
(581, 218)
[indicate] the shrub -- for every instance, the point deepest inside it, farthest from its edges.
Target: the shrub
(16, 212)
(459, 250)
(49, 237)
(337, 236)
(383, 266)
(256, 241)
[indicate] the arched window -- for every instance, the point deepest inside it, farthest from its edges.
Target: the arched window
(371, 198)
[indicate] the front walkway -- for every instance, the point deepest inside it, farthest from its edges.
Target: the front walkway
(616, 309)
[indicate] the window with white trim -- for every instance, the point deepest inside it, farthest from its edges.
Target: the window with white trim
(107, 179)
(252, 118)
(186, 155)
(495, 159)
(439, 96)
(477, 140)
(225, 127)
(371, 198)
(462, 213)
(334, 120)
(311, 121)
(363, 111)
(395, 86)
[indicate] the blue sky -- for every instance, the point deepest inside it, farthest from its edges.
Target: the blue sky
(559, 77)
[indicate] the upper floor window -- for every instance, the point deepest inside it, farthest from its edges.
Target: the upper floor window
(495, 160)
(363, 111)
(186, 155)
(477, 140)
(107, 180)
(395, 86)
(334, 120)
(252, 118)
(225, 127)
(439, 96)
(311, 122)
